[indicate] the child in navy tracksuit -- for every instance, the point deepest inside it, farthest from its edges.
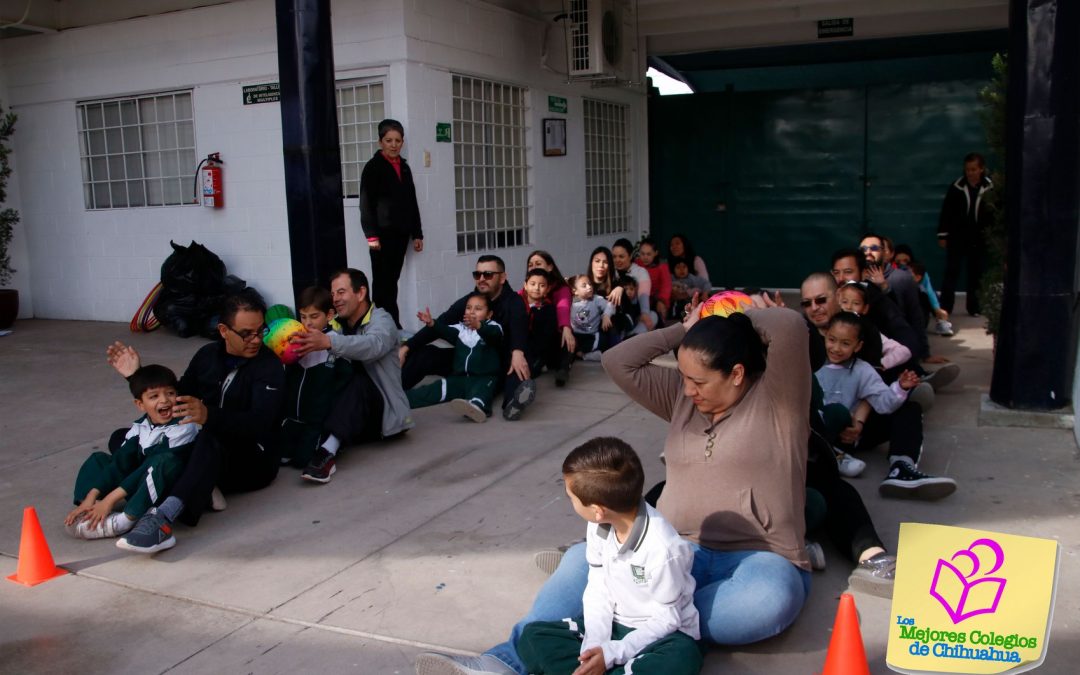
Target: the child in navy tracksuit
(142, 470)
(477, 364)
(311, 384)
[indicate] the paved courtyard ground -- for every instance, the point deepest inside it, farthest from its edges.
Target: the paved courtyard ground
(424, 542)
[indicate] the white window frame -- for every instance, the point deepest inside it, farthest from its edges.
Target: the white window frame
(138, 151)
(358, 128)
(608, 207)
(491, 170)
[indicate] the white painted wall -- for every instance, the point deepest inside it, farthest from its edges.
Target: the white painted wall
(99, 264)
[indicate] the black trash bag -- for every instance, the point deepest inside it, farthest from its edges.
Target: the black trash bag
(193, 289)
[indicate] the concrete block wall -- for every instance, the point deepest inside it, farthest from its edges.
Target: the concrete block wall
(99, 264)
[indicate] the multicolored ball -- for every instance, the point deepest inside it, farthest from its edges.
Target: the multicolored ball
(277, 339)
(726, 303)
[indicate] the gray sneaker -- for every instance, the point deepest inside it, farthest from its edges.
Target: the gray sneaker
(523, 396)
(547, 561)
(875, 576)
(923, 394)
(152, 533)
(434, 663)
(942, 376)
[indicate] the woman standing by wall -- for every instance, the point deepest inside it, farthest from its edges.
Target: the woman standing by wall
(389, 215)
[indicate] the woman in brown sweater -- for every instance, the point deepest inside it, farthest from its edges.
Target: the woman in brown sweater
(738, 407)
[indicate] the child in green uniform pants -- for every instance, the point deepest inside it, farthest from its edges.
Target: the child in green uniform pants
(639, 601)
(312, 383)
(142, 470)
(477, 368)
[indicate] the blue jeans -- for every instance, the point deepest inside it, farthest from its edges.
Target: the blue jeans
(742, 597)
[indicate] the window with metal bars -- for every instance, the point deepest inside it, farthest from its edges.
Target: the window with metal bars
(607, 168)
(490, 169)
(138, 151)
(360, 108)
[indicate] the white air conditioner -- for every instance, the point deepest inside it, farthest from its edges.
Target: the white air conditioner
(596, 38)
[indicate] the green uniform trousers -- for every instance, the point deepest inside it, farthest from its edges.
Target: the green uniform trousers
(478, 389)
(553, 647)
(147, 480)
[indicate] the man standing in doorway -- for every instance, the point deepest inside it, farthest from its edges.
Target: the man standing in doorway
(965, 214)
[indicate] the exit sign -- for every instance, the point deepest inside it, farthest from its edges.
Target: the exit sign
(830, 28)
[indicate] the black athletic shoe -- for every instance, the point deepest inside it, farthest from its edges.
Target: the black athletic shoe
(906, 482)
(151, 533)
(320, 468)
(523, 396)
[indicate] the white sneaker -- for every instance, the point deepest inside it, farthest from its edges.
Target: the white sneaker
(468, 409)
(217, 500)
(816, 555)
(849, 466)
(434, 663)
(114, 525)
(943, 327)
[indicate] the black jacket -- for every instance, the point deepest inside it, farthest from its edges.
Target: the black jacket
(953, 223)
(508, 310)
(387, 204)
(246, 409)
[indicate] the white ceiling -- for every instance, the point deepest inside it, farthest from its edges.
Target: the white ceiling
(668, 26)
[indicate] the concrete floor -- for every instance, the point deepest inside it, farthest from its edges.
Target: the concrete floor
(425, 542)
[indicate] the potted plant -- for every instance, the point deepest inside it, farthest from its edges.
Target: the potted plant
(9, 297)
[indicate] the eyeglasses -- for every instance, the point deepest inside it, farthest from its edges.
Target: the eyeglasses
(488, 275)
(819, 301)
(249, 335)
(873, 247)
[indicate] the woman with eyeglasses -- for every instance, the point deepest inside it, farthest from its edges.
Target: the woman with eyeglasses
(389, 215)
(736, 455)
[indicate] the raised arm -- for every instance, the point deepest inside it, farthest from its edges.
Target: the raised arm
(123, 358)
(657, 388)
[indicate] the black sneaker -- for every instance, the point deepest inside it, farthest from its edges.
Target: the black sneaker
(321, 467)
(562, 375)
(906, 482)
(151, 533)
(523, 396)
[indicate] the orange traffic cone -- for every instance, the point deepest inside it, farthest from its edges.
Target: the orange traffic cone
(35, 561)
(846, 654)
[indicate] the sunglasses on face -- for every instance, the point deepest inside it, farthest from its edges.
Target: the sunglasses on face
(819, 300)
(873, 247)
(249, 335)
(487, 275)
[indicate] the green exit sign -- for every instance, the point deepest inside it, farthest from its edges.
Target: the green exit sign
(557, 104)
(442, 132)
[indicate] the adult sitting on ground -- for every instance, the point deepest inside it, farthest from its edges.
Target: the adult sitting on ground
(234, 388)
(899, 284)
(372, 405)
(418, 358)
(622, 254)
(903, 429)
(736, 468)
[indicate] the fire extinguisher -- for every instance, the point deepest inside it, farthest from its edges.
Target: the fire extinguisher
(211, 179)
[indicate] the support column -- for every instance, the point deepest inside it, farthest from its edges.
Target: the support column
(1033, 365)
(309, 132)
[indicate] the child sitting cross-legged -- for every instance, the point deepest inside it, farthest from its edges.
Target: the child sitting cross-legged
(312, 384)
(477, 369)
(639, 613)
(142, 470)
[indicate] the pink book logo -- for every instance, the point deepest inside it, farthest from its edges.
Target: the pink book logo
(966, 595)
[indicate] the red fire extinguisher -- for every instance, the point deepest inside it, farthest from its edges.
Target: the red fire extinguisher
(213, 186)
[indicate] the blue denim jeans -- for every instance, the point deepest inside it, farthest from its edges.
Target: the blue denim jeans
(742, 597)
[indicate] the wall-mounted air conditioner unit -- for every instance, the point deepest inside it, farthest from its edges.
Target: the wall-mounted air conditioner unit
(596, 37)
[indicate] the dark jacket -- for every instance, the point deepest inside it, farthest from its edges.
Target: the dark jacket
(244, 409)
(954, 226)
(508, 310)
(388, 204)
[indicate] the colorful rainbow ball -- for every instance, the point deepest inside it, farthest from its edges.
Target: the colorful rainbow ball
(726, 303)
(277, 339)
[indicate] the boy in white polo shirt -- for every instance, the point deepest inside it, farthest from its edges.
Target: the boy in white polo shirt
(639, 601)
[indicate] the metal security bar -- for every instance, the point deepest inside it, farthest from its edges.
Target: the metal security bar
(607, 169)
(490, 169)
(137, 151)
(360, 108)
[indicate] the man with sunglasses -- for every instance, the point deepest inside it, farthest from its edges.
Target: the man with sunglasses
(899, 284)
(419, 358)
(234, 388)
(903, 429)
